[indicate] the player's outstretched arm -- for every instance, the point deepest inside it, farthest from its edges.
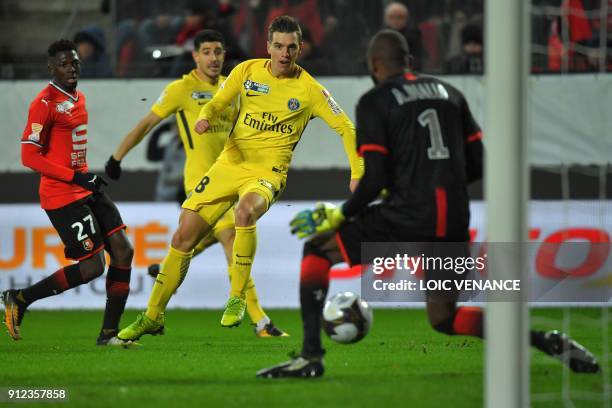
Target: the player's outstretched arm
(323, 218)
(222, 99)
(325, 107)
(327, 217)
(113, 165)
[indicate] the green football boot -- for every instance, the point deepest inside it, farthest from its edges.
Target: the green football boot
(234, 312)
(142, 325)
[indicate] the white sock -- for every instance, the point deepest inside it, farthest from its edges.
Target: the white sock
(262, 323)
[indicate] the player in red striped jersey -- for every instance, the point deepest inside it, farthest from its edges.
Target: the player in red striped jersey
(54, 144)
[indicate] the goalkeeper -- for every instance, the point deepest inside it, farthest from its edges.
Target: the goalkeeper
(420, 142)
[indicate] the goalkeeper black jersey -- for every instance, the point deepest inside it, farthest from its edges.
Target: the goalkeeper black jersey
(433, 149)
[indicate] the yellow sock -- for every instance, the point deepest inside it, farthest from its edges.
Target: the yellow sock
(254, 309)
(243, 253)
(171, 275)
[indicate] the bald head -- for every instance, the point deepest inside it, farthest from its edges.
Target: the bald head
(390, 48)
(396, 16)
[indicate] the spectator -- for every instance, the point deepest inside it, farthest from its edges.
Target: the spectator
(251, 22)
(206, 14)
(153, 33)
(91, 47)
(470, 61)
(397, 17)
(346, 35)
(165, 146)
(311, 58)
(254, 16)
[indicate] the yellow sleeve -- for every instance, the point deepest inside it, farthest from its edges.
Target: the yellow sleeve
(225, 95)
(169, 101)
(326, 108)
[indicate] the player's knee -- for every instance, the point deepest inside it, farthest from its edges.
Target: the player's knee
(245, 215)
(312, 248)
(128, 253)
(183, 240)
(92, 268)
(124, 255)
(314, 270)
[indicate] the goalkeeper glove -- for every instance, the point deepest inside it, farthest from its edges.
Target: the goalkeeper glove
(88, 181)
(324, 217)
(113, 168)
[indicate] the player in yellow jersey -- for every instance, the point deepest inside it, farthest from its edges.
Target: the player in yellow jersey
(277, 99)
(184, 98)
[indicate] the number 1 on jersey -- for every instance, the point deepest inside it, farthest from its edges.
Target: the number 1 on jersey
(429, 118)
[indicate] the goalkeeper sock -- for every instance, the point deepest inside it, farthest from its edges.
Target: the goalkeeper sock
(314, 282)
(117, 291)
(243, 253)
(468, 321)
(172, 273)
(63, 279)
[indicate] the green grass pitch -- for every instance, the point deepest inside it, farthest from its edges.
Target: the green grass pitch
(402, 362)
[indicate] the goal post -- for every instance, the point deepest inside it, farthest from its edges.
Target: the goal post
(506, 193)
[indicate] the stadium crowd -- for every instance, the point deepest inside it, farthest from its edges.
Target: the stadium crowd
(152, 38)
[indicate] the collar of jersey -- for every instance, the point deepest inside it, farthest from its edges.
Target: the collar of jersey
(268, 66)
(74, 98)
(195, 75)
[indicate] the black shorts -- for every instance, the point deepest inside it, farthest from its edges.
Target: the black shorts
(83, 225)
(371, 226)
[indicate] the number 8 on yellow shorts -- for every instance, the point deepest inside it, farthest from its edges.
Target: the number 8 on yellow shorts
(225, 183)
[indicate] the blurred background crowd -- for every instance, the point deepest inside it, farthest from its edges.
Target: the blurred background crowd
(152, 38)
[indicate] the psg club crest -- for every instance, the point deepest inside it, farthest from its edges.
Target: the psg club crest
(293, 104)
(88, 244)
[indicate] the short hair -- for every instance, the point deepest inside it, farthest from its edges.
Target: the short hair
(60, 46)
(391, 46)
(207, 36)
(284, 24)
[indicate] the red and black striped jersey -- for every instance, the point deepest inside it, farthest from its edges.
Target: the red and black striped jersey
(54, 143)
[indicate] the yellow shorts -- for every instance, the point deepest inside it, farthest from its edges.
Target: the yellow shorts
(226, 221)
(224, 184)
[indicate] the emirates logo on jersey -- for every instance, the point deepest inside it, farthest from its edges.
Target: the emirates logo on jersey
(64, 107)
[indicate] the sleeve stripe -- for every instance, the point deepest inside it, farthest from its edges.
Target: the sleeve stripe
(474, 137)
(372, 148)
(31, 142)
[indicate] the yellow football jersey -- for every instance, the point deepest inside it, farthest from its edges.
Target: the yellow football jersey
(185, 97)
(273, 115)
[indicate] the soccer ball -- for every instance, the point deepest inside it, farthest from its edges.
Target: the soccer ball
(347, 318)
